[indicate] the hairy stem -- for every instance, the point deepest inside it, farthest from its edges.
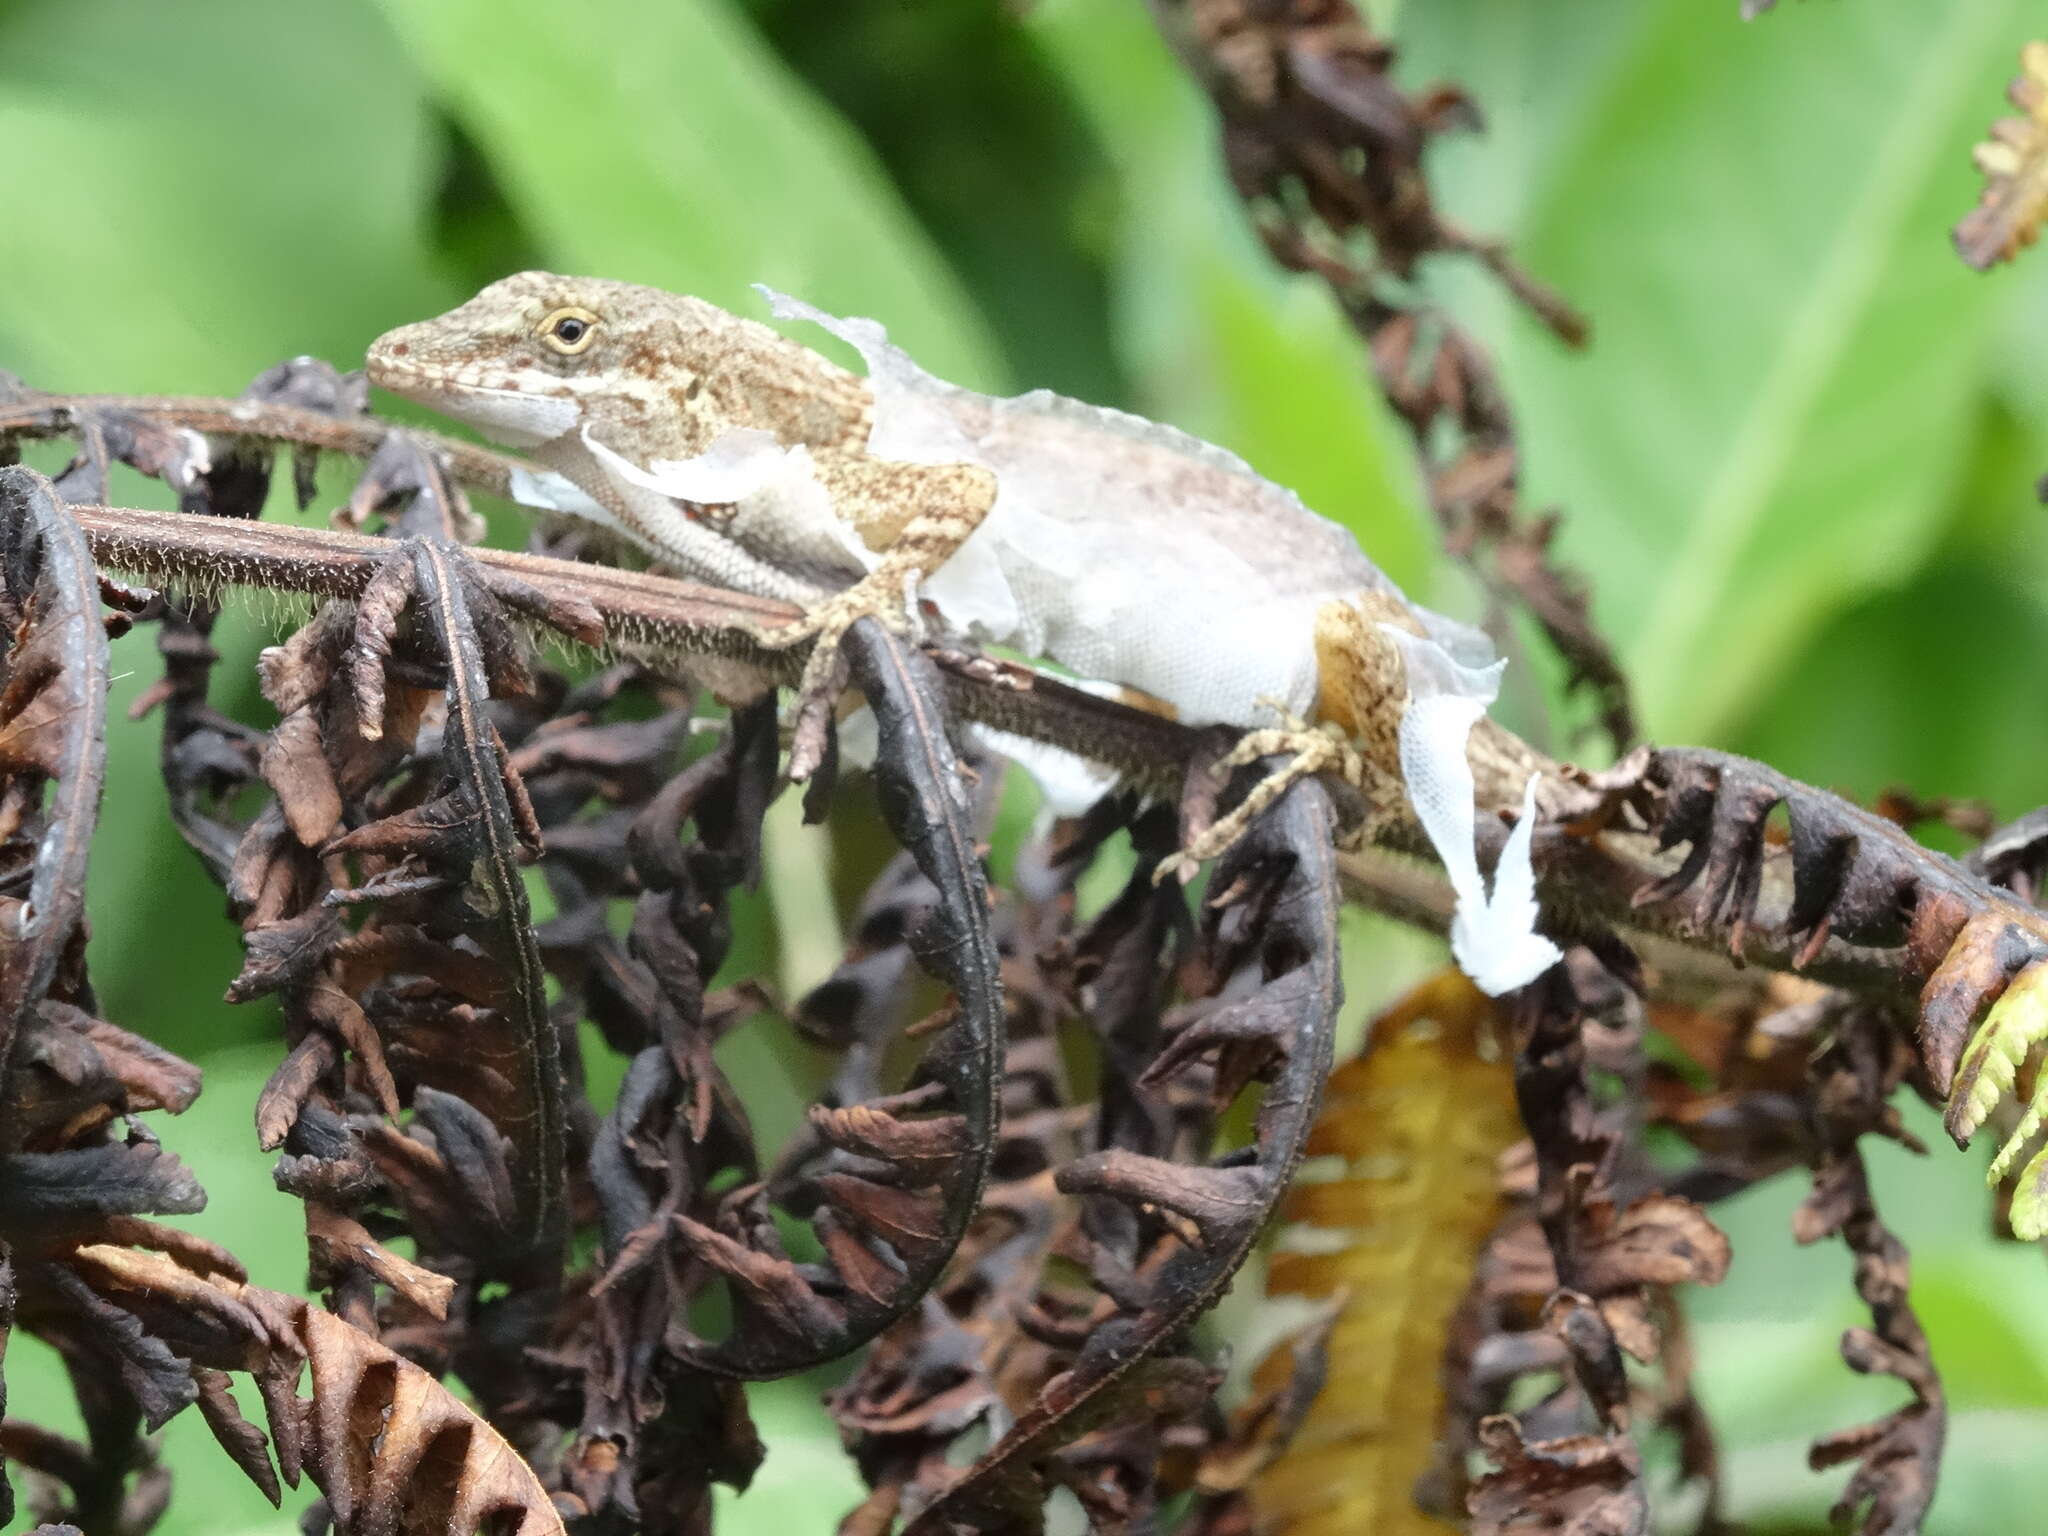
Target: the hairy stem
(1588, 881)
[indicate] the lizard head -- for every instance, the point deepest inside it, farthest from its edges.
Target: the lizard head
(536, 356)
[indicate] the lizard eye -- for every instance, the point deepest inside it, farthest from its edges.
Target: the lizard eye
(569, 330)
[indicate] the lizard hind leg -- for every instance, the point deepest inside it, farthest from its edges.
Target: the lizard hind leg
(1309, 749)
(1360, 697)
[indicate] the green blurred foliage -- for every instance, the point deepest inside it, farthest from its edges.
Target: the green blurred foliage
(1796, 464)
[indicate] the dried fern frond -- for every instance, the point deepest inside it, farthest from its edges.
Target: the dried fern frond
(2014, 161)
(394, 1451)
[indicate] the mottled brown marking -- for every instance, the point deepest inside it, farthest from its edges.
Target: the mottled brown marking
(1362, 686)
(919, 506)
(647, 361)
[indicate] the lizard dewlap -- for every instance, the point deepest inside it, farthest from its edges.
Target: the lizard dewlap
(1123, 550)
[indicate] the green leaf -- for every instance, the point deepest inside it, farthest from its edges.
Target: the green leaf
(193, 192)
(1770, 1370)
(665, 144)
(1216, 340)
(1783, 387)
(1535, 70)
(992, 153)
(1875, 699)
(216, 184)
(808, 1482)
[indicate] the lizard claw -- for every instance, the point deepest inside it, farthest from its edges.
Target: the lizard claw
(1310, 749)
(817, 696)
(824, 674)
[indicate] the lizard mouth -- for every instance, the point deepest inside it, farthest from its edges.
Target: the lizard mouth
(515, 417)
(397, 373)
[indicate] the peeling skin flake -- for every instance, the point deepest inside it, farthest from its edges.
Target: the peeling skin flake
(552, 492)
(1068, 783)
(773, 491)
(1493, 936)
(517, 418)
(1110, 596)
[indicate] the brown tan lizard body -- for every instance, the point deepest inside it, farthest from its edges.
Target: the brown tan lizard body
(1125, 551)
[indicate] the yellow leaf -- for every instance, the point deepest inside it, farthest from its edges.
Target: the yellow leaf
(2014, 161)
(1419, 1122)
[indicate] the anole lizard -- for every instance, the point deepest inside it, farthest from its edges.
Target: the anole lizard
(1123, 550)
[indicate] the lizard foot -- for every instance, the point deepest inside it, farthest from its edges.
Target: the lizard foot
(883, 595)
(824, 674)
(1309, 748)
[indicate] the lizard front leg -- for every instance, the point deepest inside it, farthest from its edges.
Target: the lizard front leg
(915, 516)
(912, 517)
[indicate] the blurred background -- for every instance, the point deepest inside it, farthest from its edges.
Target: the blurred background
(1796, 464)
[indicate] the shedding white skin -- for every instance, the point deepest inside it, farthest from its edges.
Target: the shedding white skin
(550, 492)
(1493, 934)
(773, 492)
(516, 418)
(1081, 561)
(1112, 564)
(1121, 576)
(1068, 783)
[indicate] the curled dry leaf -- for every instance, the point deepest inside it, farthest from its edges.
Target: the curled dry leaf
(887, 1174)
(1844, 874)
(52, 736)
(1327, 151)
(1587, 1485)
(395, 1453)
(1898, 1456)
(1546, 1474)
(1163, 1224)
(337, 1242)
